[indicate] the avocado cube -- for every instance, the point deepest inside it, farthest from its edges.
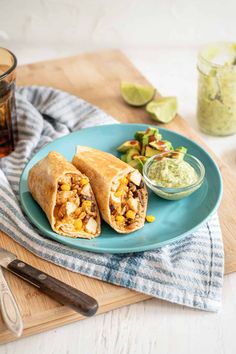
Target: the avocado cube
(149, 151)
(137, 164)
(181, 149)
(145, 141)
(123, 157)
(141, 158)
(179, 153)
(152, 131)
(131, 153)
(151, 134)
(129, 145)
(139, 134)
(156, 137)
(168, 144)
(161, 145)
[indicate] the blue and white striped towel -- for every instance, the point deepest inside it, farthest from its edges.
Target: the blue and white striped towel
(188, 272)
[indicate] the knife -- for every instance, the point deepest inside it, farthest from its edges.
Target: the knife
(9, 309)
(62, 292)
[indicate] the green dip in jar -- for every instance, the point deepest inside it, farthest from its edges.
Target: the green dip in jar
(216, 111)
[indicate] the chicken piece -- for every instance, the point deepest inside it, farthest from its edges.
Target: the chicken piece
(63, 196)
(66, 209)
(133, 204)
(135, 177)
(114, 199)
(91, 226)
(62, 211)
(75, 200)
(70, 208)
(86, 190)
(75, 179)
(66, 179)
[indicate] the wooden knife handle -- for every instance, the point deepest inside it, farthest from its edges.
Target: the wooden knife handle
(9, 308)
(63, 293)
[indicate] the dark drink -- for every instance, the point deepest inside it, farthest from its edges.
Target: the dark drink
(8, 122)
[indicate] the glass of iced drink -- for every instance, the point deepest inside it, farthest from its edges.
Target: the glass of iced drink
(8, 123)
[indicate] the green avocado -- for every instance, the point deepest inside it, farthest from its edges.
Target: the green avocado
(130, 154)
(161, 145)
(136, 164)
(141, 158)
(179, 153)
(168, 144)
(151, 134)
(139, 134)
(127, 145)
(149, 151)
(152, 131)
(123, 157)
(181, 149)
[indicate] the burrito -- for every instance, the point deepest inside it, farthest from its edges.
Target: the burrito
(119, 189)
(66, 197)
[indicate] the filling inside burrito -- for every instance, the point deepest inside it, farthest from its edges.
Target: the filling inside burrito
(75, 209)
(127, 201)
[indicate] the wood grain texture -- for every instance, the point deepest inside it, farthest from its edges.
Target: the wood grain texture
(96, 78)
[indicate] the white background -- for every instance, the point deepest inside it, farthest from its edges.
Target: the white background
(162, 39)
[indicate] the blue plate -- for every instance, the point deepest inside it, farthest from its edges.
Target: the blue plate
(174, 219)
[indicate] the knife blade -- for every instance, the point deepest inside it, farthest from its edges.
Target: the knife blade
(9, 309)
(58, 290)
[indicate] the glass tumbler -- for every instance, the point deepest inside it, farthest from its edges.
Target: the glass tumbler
(8, 122)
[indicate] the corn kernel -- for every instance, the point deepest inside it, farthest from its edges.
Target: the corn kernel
(119, 193)
(78, 224)
(86, 204)
(150, 218)
(120, 219)
(82, 215)
(124, 180)
(130, 214)
(78, 212)
(83, 182)
(65, 187)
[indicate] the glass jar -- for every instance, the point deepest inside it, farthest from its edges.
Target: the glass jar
(8, 123)
(216, 111)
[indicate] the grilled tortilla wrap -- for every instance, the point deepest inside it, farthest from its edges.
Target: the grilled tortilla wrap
(66, 197)
(119, 189)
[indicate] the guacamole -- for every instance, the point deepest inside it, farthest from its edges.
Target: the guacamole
(216, 111)
(172, 173)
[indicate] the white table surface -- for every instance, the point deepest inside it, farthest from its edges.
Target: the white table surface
(151, 326)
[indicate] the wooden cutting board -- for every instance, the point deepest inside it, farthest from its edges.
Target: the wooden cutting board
(96, 78)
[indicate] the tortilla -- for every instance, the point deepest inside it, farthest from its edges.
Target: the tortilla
(66, 197)
(119, 189)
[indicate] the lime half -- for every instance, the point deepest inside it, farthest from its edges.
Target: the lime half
(162, 110)
(136, 95)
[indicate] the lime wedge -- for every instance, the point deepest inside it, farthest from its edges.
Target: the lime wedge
(136, 95)
(162, 110)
